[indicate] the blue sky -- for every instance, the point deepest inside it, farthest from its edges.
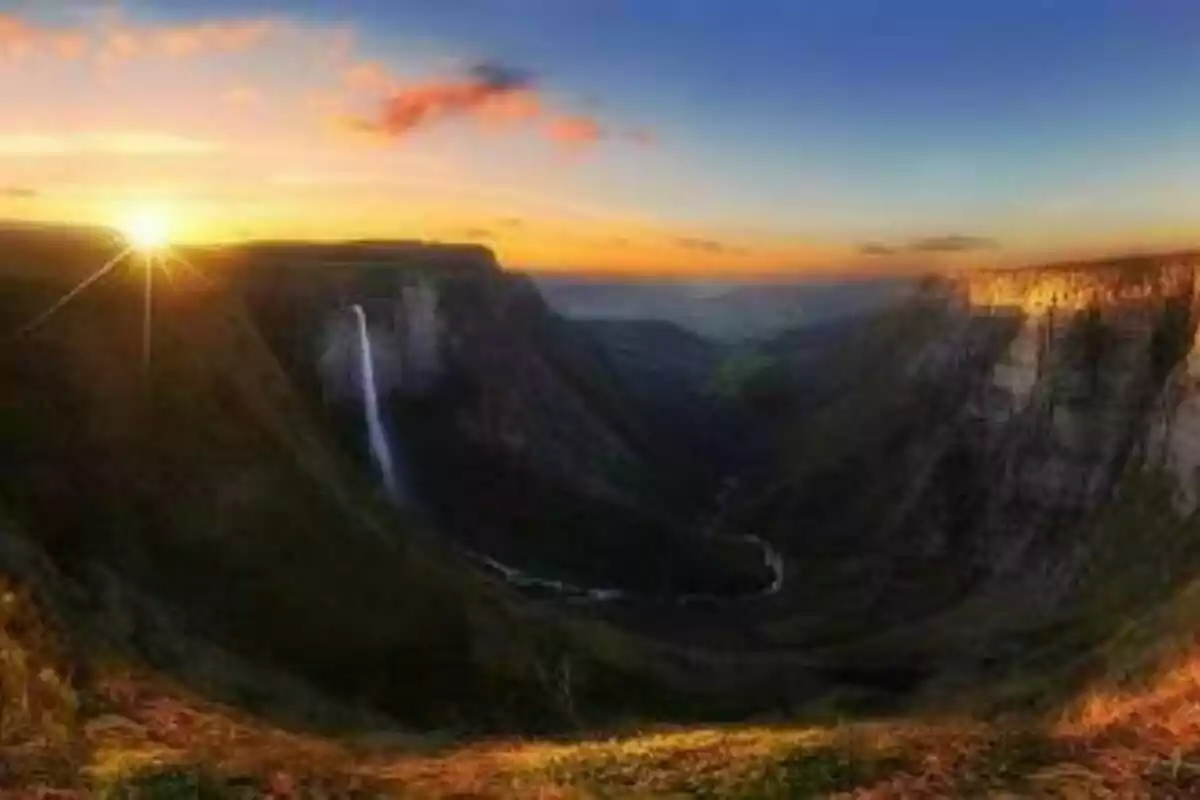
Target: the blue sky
(776, 127)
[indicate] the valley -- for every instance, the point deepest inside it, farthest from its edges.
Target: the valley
(385, 486)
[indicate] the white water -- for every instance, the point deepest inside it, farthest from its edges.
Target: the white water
(377, 438)
(381, 451)
(771, 559)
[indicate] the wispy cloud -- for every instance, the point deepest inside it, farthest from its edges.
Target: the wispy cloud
(711, 246)
(488, 93)
(876, 249)
(104, 142)
(119, 41)
(953, 243)
(949, 243)
(486, 87)
(19, 193)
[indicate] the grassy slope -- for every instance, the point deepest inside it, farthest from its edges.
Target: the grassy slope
(243, 438)
(121, 731)
(209, 488)
(206, 495)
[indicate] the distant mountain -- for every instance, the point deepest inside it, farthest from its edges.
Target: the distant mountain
(722, 310)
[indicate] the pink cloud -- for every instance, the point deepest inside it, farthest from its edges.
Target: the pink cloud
(575, 131)
(514, 106)
(69, 46)
(17, 39)
(488, 91)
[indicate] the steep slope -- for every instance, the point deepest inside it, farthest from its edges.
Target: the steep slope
(987, 492)
(493, 397)
(203, 484)
(967, 489)
(200, 499)
(204, 497)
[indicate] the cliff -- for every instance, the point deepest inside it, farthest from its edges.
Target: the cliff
(965, 485)
(491, 397)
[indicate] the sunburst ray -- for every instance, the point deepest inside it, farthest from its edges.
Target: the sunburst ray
(79, 289)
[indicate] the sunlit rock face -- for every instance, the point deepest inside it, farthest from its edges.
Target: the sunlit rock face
(1082, 375)
(1038, 391)
(1066, 289)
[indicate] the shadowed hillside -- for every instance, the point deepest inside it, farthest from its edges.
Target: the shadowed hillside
(983, 497)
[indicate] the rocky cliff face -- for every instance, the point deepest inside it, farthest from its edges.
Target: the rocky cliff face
(444, 320)
(1020, 404)
(518, 433)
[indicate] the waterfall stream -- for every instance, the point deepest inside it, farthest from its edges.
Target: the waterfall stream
(382, 454)
(381, 450)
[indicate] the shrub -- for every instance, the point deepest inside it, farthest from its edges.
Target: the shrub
(37, 702)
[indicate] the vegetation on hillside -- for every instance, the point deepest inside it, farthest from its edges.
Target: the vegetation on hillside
(118, 730)
(202, 500)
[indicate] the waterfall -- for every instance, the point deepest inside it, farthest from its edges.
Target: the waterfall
(421, 315)
(377, 438)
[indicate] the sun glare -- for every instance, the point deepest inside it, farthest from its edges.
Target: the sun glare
(147, 230)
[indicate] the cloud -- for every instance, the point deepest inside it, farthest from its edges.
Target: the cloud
(105, 142)
(511, 222)
(711, 246)
(127, 42)
(19, 193)
(18, 39)
(574, 131)
(488, 91)
(117, 43)
(477, 233)
(952, 243)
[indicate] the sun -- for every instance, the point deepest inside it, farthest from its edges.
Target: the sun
(147, 230)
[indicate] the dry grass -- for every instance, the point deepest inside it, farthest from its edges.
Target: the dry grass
(136, 734)
(38, 712)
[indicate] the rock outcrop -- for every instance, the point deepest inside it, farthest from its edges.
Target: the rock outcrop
(488, 395)
(1019, 404)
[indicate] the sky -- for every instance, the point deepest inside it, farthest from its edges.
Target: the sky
(635, 136)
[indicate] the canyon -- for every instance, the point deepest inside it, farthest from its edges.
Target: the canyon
(402, 448)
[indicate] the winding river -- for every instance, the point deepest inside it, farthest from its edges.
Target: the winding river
(383, 456)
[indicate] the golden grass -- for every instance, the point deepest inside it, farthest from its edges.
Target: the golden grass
(38, 712)
(134, 728)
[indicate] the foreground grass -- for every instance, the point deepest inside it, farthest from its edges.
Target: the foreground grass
(125, 733)
(142, 737)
